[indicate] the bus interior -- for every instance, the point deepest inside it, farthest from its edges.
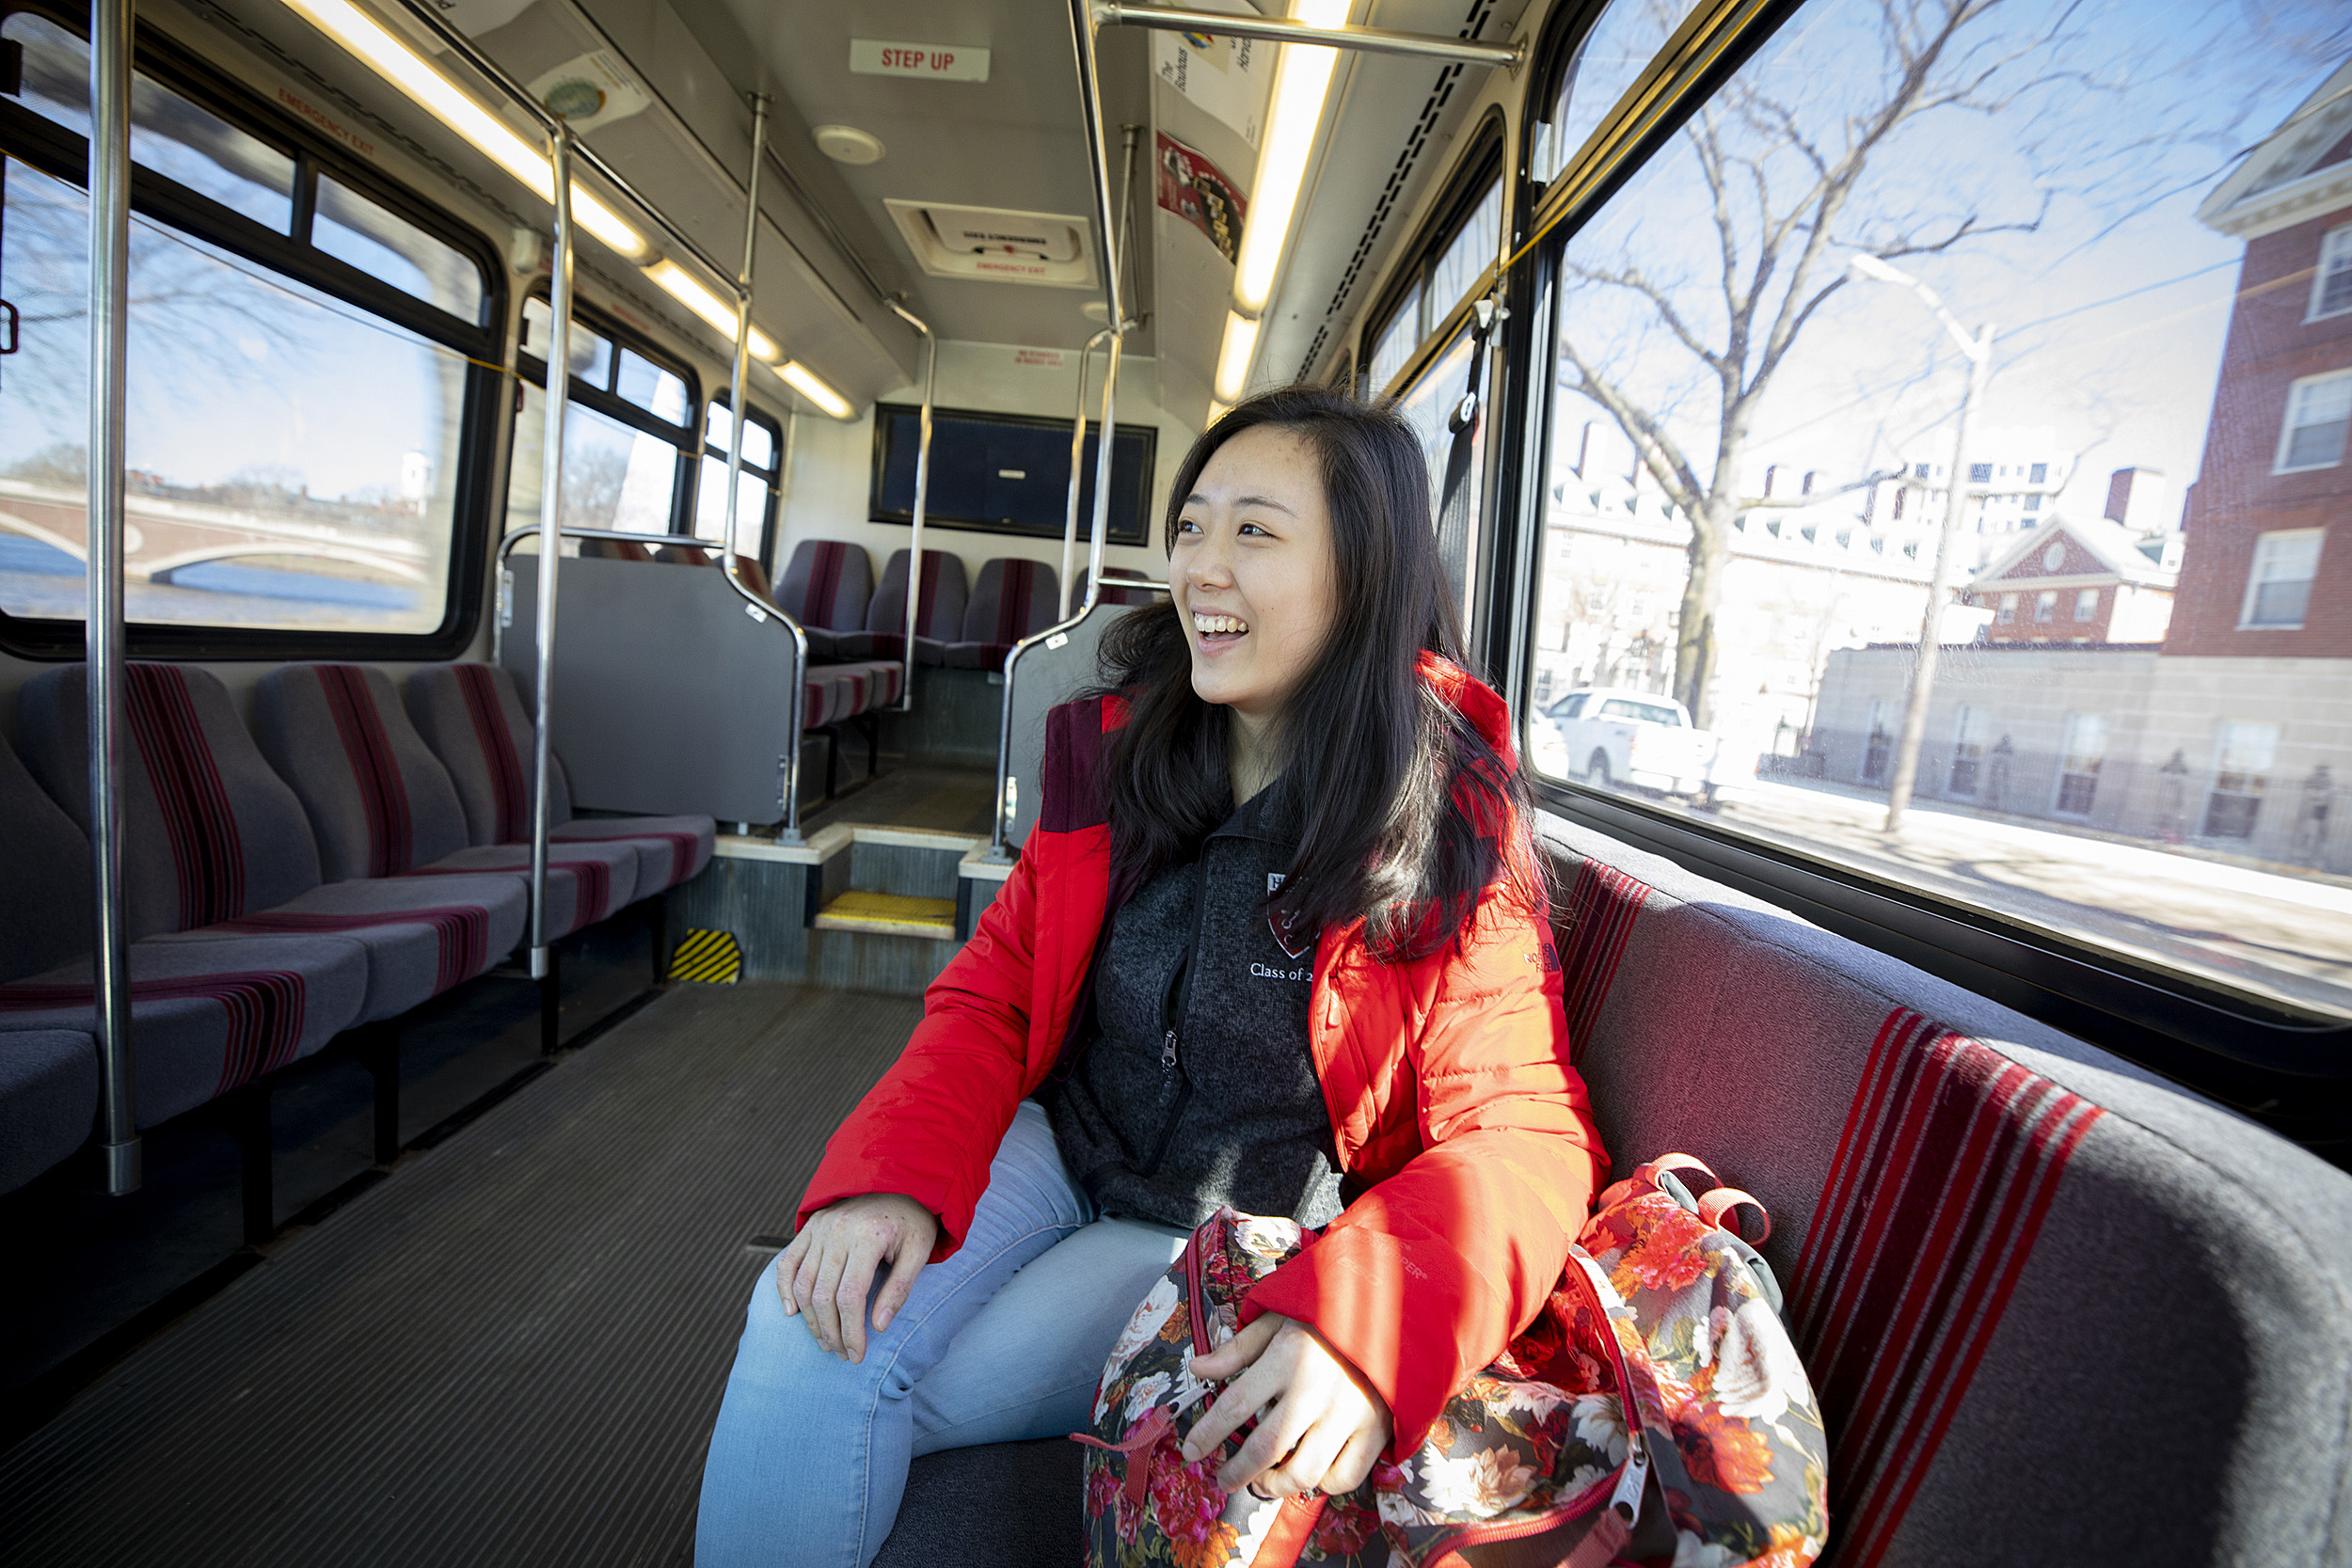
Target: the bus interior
(1891, 456)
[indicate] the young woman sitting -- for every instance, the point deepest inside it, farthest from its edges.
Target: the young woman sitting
(1280, 940)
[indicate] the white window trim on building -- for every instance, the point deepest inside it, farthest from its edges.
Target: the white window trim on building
(2299, 393)
(2335, 255)
(2268, 547)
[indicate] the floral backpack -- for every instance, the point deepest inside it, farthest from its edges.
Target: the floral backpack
(1724, 1462)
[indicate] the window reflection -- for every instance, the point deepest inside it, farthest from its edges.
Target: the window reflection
(385, 246)
(168, 134)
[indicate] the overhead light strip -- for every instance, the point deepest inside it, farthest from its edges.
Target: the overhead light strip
(393, 61)
(371, 42)
(1302, 80)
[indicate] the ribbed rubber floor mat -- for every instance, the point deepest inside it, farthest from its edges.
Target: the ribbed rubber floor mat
(511, 1353)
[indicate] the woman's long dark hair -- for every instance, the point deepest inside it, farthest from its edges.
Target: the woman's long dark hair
(1407, 812)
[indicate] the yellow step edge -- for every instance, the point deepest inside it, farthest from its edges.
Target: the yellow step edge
(891, 914)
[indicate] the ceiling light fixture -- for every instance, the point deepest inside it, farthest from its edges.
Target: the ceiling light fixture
(393, 61)
(847, 144)
(1302, 78)
(806, 382)
(1233, 358)
(687, 289)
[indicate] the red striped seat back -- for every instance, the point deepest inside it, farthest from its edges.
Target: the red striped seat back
(211, 832)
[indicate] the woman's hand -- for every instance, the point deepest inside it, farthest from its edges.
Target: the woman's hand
(826, 1274)
(1327, 1424)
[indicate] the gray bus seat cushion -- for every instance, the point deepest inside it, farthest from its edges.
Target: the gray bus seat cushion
(45, 868)
(207, 1014)
(422, 935)
(378, 800)
(586, 881)
(209, 831)
(670, 850)
(48, 1100)
(1982, 1222)
(939, 614)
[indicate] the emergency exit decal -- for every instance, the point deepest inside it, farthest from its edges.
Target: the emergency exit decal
(942, 62)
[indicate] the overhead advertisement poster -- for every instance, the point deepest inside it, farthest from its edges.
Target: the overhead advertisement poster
(1196, 190)
(1225, 77)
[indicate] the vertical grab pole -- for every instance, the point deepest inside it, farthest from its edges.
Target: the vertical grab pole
(740, 370)
(104, 678)
(1078, 459)
(741, 367)
(550, 540)
(1098, 161)
(922, 493)
(1102, 474)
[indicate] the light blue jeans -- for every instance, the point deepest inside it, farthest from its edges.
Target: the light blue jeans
(1004, 1339)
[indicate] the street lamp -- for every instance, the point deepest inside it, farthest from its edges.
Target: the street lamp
(1979, 351)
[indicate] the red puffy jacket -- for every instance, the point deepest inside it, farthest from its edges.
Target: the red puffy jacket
(1447, 1078)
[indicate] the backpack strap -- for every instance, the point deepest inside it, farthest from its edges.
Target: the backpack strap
(1715, 1205)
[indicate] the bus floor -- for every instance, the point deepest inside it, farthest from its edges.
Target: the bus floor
(512, 1351)
(944, 796)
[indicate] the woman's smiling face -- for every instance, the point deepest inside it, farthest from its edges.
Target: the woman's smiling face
(1252, 572)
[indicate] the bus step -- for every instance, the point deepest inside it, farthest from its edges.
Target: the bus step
(894, 915)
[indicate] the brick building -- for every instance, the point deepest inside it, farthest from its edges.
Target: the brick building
(2269, 571)
(2075, 582)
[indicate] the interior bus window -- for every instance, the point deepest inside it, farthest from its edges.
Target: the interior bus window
(1760, 361)
(628, 435)
(382, 244)
(756, 489)
(291, 460)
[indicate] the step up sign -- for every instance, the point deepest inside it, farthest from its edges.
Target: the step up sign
(942, 62)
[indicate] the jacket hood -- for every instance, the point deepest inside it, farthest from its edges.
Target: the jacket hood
(1477, 702)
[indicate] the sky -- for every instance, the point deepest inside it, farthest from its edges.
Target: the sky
(2109, 315)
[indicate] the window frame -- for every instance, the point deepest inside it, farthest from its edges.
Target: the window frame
(2336, 239)
(2255, 583)
(2283, 1067)
(2287, 427)
(55, 151)
(1476, 173)
(532, 370)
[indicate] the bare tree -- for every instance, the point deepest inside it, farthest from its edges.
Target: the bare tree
(1780, 248)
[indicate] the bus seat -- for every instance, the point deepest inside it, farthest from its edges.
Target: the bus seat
(1013, 600)
(614, 549)
(2023, 1273)
(216, 845)
(48, 1100)
(205, 1014)
(827, 586)
(1044, 677)
(473, 717)
(939, 614)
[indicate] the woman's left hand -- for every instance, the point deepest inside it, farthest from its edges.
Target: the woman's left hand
(1322, 1424)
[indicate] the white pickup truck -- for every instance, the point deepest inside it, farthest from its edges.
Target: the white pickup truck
(1614, 737)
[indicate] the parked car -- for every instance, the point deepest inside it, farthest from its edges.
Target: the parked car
(1636, 739)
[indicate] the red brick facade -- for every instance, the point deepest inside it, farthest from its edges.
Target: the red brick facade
(2237, 496)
